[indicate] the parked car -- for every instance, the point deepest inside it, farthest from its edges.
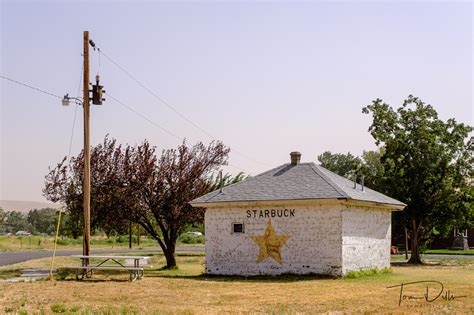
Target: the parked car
(195, 233)
(22, 233)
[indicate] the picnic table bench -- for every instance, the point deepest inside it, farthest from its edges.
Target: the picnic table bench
(85, 269)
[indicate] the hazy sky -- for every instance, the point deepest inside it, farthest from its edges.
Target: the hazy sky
(265, 78)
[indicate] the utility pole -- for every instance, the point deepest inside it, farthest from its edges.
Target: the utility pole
(86, 185)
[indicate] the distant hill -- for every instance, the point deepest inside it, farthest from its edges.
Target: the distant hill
(25, 206)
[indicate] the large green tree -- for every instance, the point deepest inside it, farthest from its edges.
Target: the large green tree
(340, 163)
(428, 164)
(216, 181)
(349, 165)
(15, 221)
(42, 220)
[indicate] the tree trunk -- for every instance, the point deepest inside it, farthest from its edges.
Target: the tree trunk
(167, 243)
(169, 254)
(415, 258)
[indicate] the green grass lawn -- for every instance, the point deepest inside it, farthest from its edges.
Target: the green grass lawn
(34, 242)
(450, 252)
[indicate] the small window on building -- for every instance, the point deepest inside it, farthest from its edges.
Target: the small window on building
(237, 228)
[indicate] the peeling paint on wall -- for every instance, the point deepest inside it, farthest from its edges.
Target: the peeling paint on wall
(330, 239)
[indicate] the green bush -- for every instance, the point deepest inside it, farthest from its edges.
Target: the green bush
(190, 239)
(58, 308)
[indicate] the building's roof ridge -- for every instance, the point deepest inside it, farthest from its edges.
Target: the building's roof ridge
(354, 193)
(339, 189)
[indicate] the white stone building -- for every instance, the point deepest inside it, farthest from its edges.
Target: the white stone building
(297, 218)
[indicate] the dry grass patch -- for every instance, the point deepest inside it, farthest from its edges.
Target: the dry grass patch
(186, 291)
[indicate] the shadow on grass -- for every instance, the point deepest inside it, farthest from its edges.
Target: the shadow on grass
(435, 263)
(94, 280)
(406, 264)
(234, 278)
(176, 274)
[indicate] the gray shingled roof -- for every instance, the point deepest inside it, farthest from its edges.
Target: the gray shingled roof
(294, 182)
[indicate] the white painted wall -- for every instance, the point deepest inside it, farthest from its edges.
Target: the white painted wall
(365, 239)
(332, 238)
(314, 244)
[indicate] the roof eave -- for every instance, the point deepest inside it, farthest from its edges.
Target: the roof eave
(297, 202)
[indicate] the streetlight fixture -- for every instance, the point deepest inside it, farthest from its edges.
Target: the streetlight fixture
(67, 100)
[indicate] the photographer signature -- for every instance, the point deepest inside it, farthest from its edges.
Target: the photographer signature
(437, 290)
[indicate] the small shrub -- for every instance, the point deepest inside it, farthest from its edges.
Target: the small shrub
(367, 272)
(63, 242)
(190, 239)
(58, 308)
(75, 309)
(63, 273)
(122, 239)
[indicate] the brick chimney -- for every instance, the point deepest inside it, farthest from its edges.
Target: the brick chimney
(295, 157)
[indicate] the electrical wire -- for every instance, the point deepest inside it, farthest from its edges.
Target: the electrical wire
(116, 100)
(160, 127)
(75, 114)
(98, 56)
(171, 107)
(153, 94)
(113, 98)
(144, 117)
(30, 87)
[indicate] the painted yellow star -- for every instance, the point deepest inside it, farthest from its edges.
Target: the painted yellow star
(270, 244)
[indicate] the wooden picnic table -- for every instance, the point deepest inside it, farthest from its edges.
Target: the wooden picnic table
(85, 270)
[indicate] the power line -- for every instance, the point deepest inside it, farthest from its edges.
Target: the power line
(30, 87)
(144, 117)
(171, 107)
(160, 127)
(75, 114)
(110, 96)
(54, 95)
(155, 95)
(113, 98)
